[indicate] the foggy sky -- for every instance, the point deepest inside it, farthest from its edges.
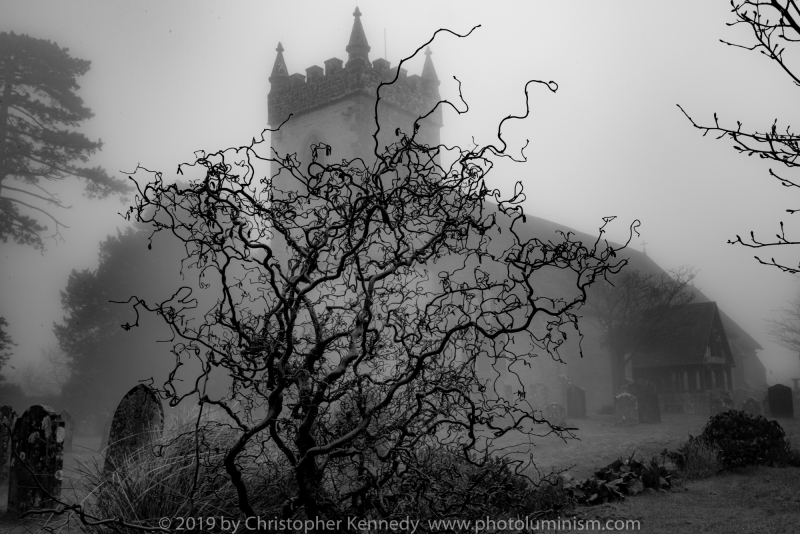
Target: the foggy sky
(168, 79)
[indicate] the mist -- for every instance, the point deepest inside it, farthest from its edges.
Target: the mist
(169, 79)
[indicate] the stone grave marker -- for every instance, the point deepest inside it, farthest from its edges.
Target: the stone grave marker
(556, 414)
(751, 406)
(647, 400)
(720, 400)
(626, 409)
(576, 401)
(7, 419)
(69, 429)
(137, 421)
(37, 459)
(781, 403)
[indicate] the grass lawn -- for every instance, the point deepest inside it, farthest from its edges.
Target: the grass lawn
(754, 500)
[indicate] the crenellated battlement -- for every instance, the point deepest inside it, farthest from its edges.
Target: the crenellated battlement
(298, 94)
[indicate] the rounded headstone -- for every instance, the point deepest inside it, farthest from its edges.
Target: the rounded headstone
(781, 403)
(137, 421)
(646, 399)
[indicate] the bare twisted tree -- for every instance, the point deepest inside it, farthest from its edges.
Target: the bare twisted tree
(351, 314)
(775, 25)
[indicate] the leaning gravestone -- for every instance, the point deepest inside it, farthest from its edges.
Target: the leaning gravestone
(576, 401)
(720, 400)
(556, 414)
(138, 420)
(647, 400)
(7, 419)
(781, 404)
(626, 409)
(37, 460)
(69, 429)
(751, 406)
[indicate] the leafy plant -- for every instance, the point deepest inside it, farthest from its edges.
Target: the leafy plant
(620, 478)
(743, 439)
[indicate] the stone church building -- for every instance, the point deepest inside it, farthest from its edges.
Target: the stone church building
(335, 105)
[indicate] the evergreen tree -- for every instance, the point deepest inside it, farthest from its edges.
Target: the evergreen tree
(38, 113)
(5, 344)
(105, 359)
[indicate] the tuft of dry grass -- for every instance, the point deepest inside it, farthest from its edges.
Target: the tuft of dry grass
(697, 459)
(181, 475)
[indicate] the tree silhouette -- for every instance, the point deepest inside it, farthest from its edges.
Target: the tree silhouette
(785, 330)
(5, 345)
(353, 308)
(632, 309)
(775, 25)
(38, 113)
(99, 351)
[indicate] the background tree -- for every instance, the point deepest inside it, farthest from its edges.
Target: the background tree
(775, 25)
(5, 345)
(47, 375)
(631, 309)
(105, 361)
(785, 330)
(38, 113)
(350, 304)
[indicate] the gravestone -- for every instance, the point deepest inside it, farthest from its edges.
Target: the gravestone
(69, 429)
(781, 404)
(539, 396)
(688, 405)
(751, 406)
(647, 400)
(626, 409)
(137, 421)
(556, 414)
(7, 419)
(37, 460)
(576, 401)
(720, 400)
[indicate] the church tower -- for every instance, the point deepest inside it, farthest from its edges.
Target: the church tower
(336, 105)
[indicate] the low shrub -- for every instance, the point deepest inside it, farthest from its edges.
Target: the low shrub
(696, 459)
(742, 439)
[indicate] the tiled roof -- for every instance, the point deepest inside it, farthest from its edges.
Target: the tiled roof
(640, 262)
(684, 338)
